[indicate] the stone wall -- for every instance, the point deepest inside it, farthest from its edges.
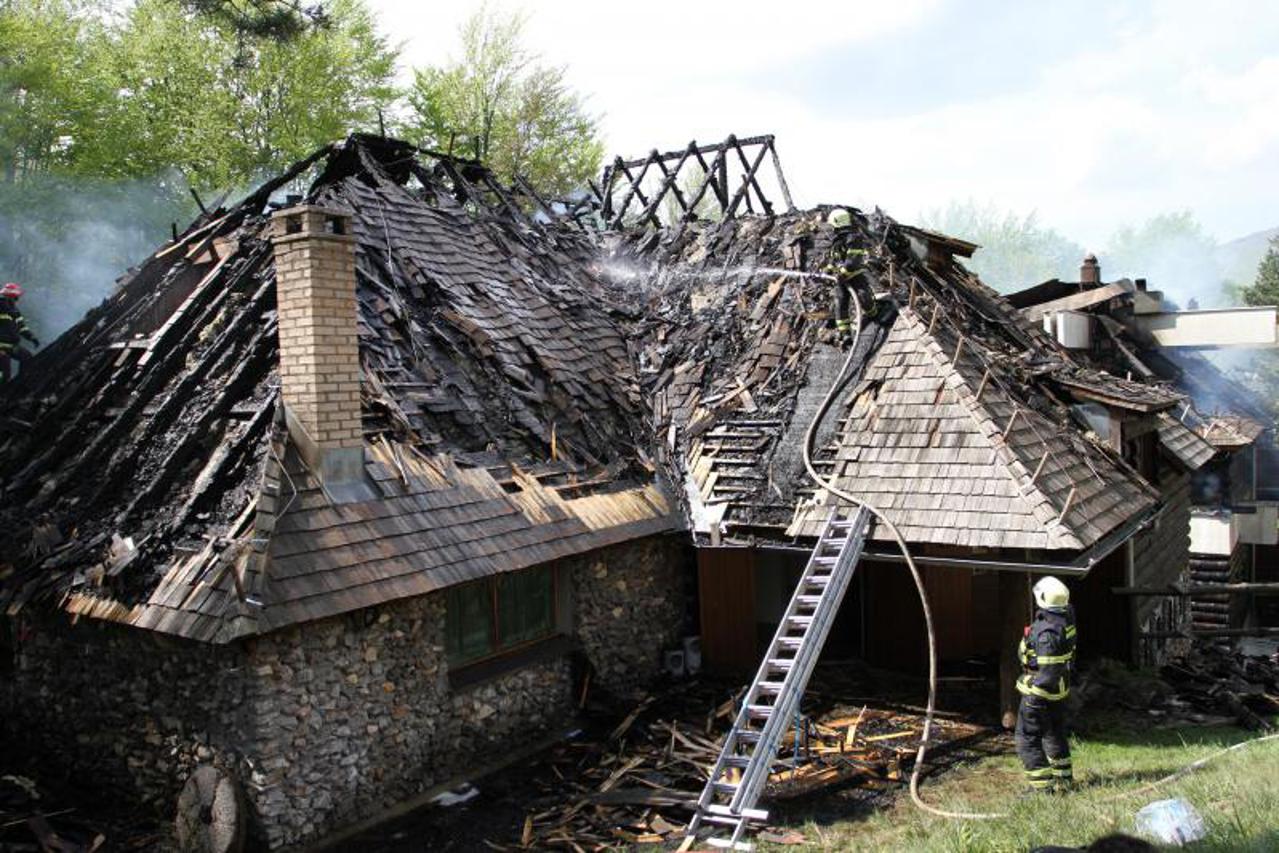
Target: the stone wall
(355, 714)
(130, 713)
(631, 602)
(334, 721)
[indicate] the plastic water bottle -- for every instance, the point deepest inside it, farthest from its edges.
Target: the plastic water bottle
(1172, 822)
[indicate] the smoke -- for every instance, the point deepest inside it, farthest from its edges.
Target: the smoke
(67, 241)
(1175, 256)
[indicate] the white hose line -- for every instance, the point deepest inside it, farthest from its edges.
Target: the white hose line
(829, 486)
(1188, 769)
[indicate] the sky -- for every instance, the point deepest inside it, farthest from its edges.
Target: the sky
(1090, 114)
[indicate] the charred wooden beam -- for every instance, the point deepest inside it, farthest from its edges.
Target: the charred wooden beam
(253, 369)
(766, 139)
(1208, 633)
(748, 180)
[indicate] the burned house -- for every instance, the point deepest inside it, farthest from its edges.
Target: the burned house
(956, 420)
(1219, 428)
(352, 493)
(344, 497)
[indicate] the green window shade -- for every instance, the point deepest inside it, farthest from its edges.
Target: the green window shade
(469, 622)
(526, 606)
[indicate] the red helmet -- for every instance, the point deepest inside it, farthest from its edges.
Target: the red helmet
(13, 290)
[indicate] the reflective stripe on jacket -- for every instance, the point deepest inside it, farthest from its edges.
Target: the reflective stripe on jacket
(1047, 654)
(13, 326)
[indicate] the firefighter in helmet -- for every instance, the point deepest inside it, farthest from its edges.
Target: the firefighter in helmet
(13, 328)
(847, 264)
(1047, 654)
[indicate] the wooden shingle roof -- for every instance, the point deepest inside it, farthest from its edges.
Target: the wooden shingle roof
(933, 438)
(1184, 443)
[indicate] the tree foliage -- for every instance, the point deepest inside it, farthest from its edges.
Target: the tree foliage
(500, 105)
(106, 119)
(245, 105)
(1016, 251)
(53, 91)
(281, 20)
(1265, 288)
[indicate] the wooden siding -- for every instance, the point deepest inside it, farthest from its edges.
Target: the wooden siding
(726, 596)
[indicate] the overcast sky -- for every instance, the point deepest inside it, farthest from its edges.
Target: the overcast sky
(1093, 114)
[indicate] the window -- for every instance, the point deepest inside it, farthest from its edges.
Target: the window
(499, 614)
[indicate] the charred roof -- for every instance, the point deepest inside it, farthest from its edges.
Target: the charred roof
(154, 482)
(529, 371)
(952, 421)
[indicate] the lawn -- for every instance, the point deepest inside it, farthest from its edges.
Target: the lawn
(1237, 795)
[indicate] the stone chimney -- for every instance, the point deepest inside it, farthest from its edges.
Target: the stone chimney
(1090, 272)
(319, 339)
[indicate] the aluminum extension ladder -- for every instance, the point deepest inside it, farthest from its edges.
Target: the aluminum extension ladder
(737, 779)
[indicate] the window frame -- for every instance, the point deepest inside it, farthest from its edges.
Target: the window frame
(498, 650)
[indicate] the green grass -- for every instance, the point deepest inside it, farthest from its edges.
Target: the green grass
(1237, 795)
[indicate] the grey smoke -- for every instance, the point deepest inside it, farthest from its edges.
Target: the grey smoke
(68, 241)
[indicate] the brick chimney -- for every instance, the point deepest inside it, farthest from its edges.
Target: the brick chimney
(319, 339)
(1090, 272)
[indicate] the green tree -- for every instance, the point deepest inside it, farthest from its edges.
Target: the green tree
(1174, 253)
(498, 104)
(1265, 288)
(1016, 251)
(51, 84)
(275, 19)
(198, 95)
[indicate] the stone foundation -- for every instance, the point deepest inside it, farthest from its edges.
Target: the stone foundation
(335, 721)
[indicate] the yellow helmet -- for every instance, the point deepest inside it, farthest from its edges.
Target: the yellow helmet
(1051, 594)
(839, 217)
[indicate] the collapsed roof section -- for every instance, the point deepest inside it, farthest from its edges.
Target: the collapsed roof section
(954, 424)
(1193, 395)
(502, 419)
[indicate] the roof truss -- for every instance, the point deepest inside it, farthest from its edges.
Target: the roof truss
(624, 198)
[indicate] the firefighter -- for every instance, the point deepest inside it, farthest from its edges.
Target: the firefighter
(1047, 654)
(847, 264)
(13, 328)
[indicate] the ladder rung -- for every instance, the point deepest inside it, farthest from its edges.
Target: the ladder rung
(748, 736)
(781, 663)
(726, 811)
(790, 642)
(825, 561)
(722, 821)
(736, 760)
(759, 712)
(725, 787)
(817, 580)
(800, 620)
(771, 686)
(812, 600)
